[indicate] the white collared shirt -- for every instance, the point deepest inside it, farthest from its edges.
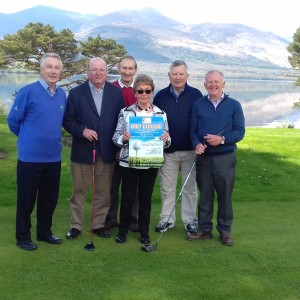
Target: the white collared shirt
(216, 103)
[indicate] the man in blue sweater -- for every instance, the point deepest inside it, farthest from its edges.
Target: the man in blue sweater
(36, 118)
(217, 125)
(177, 101)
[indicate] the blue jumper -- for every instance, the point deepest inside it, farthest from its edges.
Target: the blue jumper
(178, 112)
(226, 120)
(36, 118)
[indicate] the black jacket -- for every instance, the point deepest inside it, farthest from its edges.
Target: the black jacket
(81, 113)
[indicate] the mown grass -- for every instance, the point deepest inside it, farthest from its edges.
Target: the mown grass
(263, 264)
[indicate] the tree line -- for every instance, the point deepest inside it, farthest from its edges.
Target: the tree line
(24, 49)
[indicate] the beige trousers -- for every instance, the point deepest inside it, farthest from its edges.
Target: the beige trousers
(178, 162)
(82, 179)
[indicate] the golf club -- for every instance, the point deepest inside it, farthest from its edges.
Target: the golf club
(90, 246)
(153, 248)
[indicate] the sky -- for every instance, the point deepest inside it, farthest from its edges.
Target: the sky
(278, 16)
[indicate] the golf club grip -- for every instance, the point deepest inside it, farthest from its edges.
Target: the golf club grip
(94, 156)
(94, 150)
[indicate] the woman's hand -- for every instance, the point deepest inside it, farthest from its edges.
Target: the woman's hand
(165, 136)
(126, 136)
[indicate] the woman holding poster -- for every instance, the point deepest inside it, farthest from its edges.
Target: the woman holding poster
(142, 133)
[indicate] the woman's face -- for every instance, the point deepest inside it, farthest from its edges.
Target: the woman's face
(141, 93)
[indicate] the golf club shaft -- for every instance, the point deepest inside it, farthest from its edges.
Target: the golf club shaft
(179, 195)
(93, 189)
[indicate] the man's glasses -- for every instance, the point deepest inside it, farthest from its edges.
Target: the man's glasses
(140, 92)
(95, 71)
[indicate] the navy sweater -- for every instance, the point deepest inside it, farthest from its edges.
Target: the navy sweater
(226, 120)
(178, 114)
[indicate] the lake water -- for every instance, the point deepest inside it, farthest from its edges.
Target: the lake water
(265, 103)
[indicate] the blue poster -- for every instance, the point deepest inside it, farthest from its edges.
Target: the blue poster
(146, 149)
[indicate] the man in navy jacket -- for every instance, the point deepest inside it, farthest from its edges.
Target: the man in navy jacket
(91, 118)
(177, 101)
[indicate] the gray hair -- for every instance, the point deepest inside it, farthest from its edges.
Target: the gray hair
(214, 71)
(177, 63)
(53, 55)
(96, 59)
(127, 57)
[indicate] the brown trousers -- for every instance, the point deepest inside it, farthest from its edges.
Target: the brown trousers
(82, 179)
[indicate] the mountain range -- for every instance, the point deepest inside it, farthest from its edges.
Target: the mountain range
(155, 40)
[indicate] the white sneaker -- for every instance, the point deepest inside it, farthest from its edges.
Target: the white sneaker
(163, 226)
(191, 227)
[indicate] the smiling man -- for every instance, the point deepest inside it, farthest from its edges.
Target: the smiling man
(177, 100)
(36, 118)
(91, 118)
(217, 124)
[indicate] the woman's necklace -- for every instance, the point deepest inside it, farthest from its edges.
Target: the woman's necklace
(146, 109)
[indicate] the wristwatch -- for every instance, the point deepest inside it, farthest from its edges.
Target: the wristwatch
(223, 140)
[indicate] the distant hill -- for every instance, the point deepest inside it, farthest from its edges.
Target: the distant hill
(59, 19)
(155, 39)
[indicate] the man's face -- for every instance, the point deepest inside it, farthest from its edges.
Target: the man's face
(178, 77)
(127, 71)
(97, 73)
(214, 85)
(51, 71)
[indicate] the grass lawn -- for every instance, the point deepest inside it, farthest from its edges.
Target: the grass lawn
(264, 263)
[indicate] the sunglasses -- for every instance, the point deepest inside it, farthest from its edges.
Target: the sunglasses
(140, 92)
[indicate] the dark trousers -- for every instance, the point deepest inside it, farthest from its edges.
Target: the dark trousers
(215, 174)
(114, 202)
(143, 180)
(36, 182)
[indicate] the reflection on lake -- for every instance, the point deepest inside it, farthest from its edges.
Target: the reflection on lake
(10, 83)
(265, 103)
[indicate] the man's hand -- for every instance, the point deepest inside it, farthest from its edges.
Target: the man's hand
(90, 134)
(213, 140)
(200, 148)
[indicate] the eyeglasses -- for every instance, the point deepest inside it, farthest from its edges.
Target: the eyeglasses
(95, 71)
(140, 92)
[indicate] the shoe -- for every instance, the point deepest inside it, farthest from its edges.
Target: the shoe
(145, 240)
(73, 233)
(111, 223)
(191, 228)
(51, 239)
(102, 232)
(226, 240)
(120, 239)
(198, 235)
(134, 226)
(163, 226)
(27, 245)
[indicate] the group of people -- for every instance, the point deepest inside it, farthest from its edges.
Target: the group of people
(197, 129)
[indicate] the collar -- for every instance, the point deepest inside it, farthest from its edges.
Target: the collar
(96, 90)
(174, 93)
(217, 102)
(122, 85)
(45, 85)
